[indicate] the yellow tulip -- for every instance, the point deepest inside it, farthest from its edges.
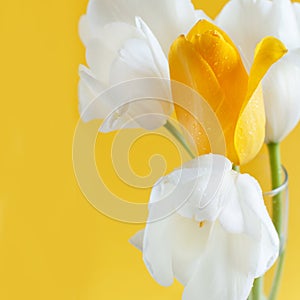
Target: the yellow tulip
(207, 61)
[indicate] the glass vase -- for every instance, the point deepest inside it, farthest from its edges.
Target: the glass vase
(277, 202)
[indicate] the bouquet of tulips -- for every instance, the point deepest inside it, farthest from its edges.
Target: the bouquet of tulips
(233, 84)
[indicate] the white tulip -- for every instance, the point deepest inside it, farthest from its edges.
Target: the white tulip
(208, 227)
(247, 22)
(120, 50)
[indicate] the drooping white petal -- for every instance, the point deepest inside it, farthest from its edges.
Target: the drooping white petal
(231, 217)
(157, 251)
(171, 246)
(166, 18)
(221, 273)
(258, 225)
(281, 96)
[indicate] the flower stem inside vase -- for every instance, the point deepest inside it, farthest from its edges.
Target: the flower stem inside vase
(277, 213)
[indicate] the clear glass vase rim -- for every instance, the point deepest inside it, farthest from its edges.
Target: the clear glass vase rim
(282, 187)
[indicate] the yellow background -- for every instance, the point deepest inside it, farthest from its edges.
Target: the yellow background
(53, 243)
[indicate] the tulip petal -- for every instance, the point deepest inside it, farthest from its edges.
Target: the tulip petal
(171, 247)
(250, 128)
(236, 18)
(259, 226)
(85, 31)
(166, 18)
(284, 23)
(189, 68)
(226, 64)
(139, 58)
(196, 191)
(119, 58)
(203, 26)
(214, 260)
(282, 94)
(297, 12)
(210, 64)
(220, 268)
(233, 258)
(272, 18)
(89, 89)
(267, 52)
(157, 251)
(138, 239)
(103, 50)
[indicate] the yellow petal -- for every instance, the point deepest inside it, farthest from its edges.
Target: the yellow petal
(210, 63)
(227, 65)
(250, 129)
(267, 52)
(188, 67)
(203, 26)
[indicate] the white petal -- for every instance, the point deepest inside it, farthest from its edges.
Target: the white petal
(133, 104)
(281, 96)
(123, 53)
(172, 246)
(85, 31)
(221, 272)
(197, 190)
(166, 18)
(157, 251)
(89, 89)
(137, 240)
(142, 58)
(258, 225)
(297, 12)
(200, 14)
(157, 54)
(284, 23)
(103, 50)
(231, 217)
(215, 260)
(275, 18)
(236, 18)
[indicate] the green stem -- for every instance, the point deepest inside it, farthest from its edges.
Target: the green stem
(250, 296)
(236, 168)
(179, 137)
(276, 281)
(257, 290)
(274, 152)
(277, 215)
